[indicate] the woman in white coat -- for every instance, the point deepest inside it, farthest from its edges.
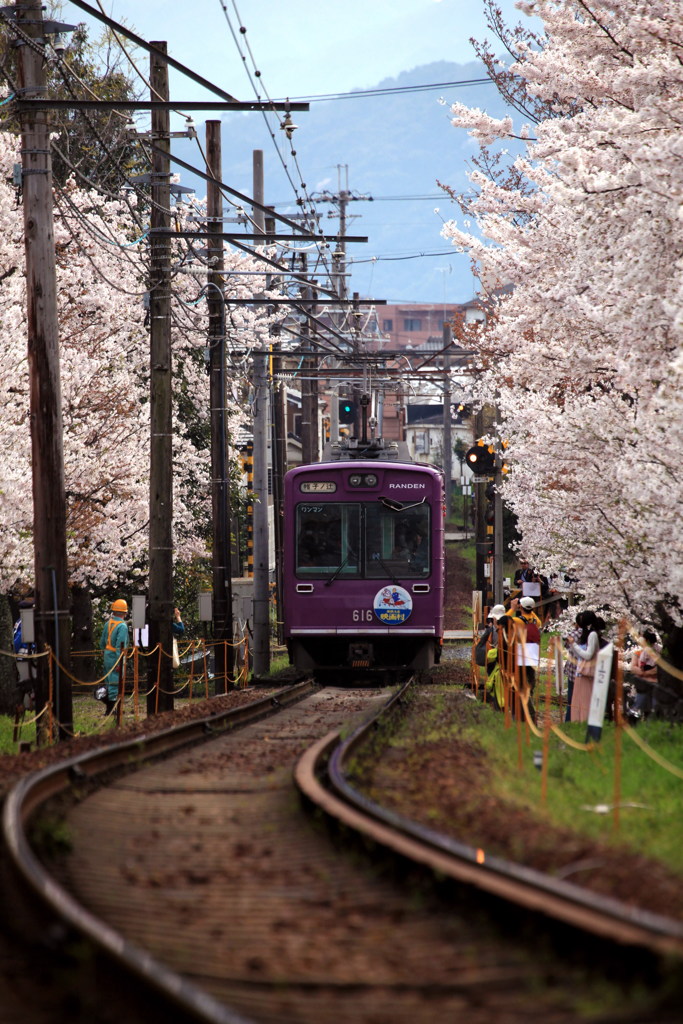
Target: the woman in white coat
(585, 650)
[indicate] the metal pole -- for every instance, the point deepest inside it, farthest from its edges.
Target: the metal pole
(279, 467)
(498, 536)
(49, 498)
(257, 213)
(278, 426)
(161, 420)
(261, 545)
(307, 411)
(312, 294)
(447, 458)
(342, 290)
(224, 652)
(481, 544)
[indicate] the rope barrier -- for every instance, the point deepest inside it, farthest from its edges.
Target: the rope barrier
(38, 716)
(196, 650)
(647, 749)
(23, 657)
(83, 682)
(513, 690)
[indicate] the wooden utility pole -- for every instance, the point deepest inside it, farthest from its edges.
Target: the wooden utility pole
(52, 624)
(160, 698)
(224, 653)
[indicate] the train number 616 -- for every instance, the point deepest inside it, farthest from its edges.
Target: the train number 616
(362, 614)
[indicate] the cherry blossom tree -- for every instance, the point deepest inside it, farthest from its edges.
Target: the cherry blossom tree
(104, 346)
(583, 356)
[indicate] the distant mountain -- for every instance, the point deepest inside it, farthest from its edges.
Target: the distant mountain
(395, 146)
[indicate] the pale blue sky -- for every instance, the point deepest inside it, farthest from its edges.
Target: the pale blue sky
(314, 47)
(303, 47)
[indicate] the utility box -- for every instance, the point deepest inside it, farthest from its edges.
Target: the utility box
(242, 601)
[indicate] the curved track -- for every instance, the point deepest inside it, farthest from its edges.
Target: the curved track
(321, 774)
(201, 879)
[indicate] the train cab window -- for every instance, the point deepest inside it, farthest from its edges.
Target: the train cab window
(327, 540)
(396, 541)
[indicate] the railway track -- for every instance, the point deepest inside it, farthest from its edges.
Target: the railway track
(197, 885)
(607, 918)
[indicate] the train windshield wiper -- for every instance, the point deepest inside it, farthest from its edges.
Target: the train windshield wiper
(388, 571)
(397, 506)
(328, 583)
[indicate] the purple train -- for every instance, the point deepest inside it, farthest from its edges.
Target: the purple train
(364, 564)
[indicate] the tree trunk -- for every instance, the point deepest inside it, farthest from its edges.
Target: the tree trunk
(8, 666)
(669, 692)
(83, 644)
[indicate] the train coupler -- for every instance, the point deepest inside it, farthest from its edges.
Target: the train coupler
(361, 655)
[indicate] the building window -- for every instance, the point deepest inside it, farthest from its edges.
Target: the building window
(387, 325)
(411, 324)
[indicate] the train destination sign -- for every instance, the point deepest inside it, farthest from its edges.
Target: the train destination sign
(318, 487)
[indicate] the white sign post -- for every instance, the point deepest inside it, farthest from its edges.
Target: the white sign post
(559, 668)
(603, 674)
(476, 608)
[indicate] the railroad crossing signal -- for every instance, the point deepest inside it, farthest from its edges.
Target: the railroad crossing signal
(481, 459)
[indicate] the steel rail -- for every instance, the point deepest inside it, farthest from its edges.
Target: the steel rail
(66, 776)
(321, 776)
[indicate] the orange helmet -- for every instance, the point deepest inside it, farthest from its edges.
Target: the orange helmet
(120, 606)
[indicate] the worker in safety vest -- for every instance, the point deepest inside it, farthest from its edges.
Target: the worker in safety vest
(113, 642)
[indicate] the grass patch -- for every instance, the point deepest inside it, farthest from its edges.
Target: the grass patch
(581, 785)
(279, 663)
(88, 716)
(7, 744)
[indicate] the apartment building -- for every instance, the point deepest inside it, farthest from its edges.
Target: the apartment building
(411, 325)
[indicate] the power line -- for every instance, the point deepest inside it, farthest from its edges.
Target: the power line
(382, 199)
(390, 90)
(412, 256)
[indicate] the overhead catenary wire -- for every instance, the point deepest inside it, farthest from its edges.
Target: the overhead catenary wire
(79, 243)
(387, 91)
(310, 211)
(84, 220)
(321, 258)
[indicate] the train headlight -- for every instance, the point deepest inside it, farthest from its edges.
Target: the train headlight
(355, 480)
(370, 480)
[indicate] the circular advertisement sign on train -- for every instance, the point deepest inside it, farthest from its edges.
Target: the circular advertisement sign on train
(392, 605)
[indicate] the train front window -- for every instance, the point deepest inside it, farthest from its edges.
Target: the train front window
(396, 541)
(327, 540)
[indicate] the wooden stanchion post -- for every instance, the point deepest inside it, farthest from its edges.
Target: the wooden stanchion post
(136, 682)
(474, 668)
(507, 681)
(50, 698)
(546, 739)
(618, 726)
(191, 679)
(205, 670)
(157, 684)
(122, 689)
